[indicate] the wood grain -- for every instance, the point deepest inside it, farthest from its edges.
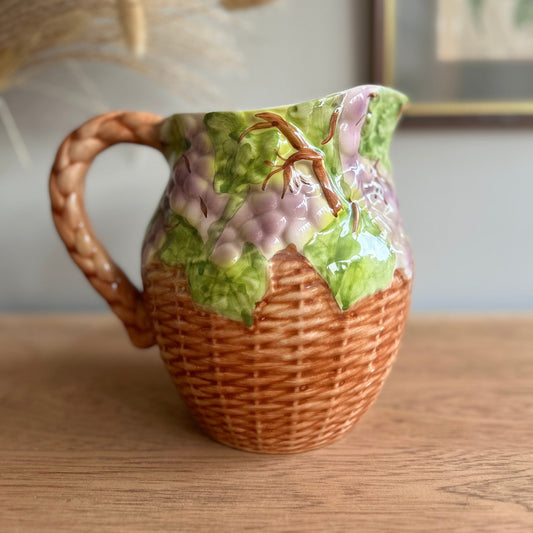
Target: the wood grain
(93, 437)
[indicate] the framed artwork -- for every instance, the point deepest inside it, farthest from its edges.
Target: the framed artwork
(461, 62)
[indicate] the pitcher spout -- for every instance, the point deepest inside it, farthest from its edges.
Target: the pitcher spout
(369, 117)
(367, 123)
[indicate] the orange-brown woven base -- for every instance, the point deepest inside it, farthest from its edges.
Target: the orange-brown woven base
(299, 378)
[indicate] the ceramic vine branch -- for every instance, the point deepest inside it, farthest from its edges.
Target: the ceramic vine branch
(304, 152)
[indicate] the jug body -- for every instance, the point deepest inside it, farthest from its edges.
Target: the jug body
(276, 271)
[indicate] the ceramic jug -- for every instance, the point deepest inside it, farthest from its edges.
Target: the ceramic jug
(277, 275)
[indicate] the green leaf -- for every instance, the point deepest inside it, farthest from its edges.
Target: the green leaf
(240, 164)
(233, 291)
(384, 110)
(234, 203)
(354, 265)
(183, 243)
(174, 142)
(313, 119)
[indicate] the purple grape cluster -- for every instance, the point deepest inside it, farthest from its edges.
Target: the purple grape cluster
(271, 222)
(191, 193)
(371, 180)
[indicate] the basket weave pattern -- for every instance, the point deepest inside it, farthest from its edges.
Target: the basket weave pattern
(299, 378)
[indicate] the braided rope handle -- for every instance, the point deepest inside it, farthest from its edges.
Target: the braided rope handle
(67, 178)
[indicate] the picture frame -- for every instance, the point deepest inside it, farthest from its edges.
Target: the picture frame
(438, 53)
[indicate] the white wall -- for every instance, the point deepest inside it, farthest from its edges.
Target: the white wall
(466, 199)
(465, 195)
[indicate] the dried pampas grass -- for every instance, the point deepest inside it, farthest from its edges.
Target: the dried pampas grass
(132, 18)
(166, 39)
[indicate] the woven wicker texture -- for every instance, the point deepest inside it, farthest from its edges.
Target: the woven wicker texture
(299, 378)
(67, 179)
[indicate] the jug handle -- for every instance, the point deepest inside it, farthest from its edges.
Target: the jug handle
(67, 178)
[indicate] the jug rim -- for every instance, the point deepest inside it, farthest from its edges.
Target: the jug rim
(356, 89)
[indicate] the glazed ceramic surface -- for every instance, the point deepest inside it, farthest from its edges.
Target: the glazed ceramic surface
(246, 185)
(277, 275)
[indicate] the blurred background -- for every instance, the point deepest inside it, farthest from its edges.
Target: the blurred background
(465, 194)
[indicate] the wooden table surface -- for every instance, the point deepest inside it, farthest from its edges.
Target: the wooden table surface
(93, 437)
